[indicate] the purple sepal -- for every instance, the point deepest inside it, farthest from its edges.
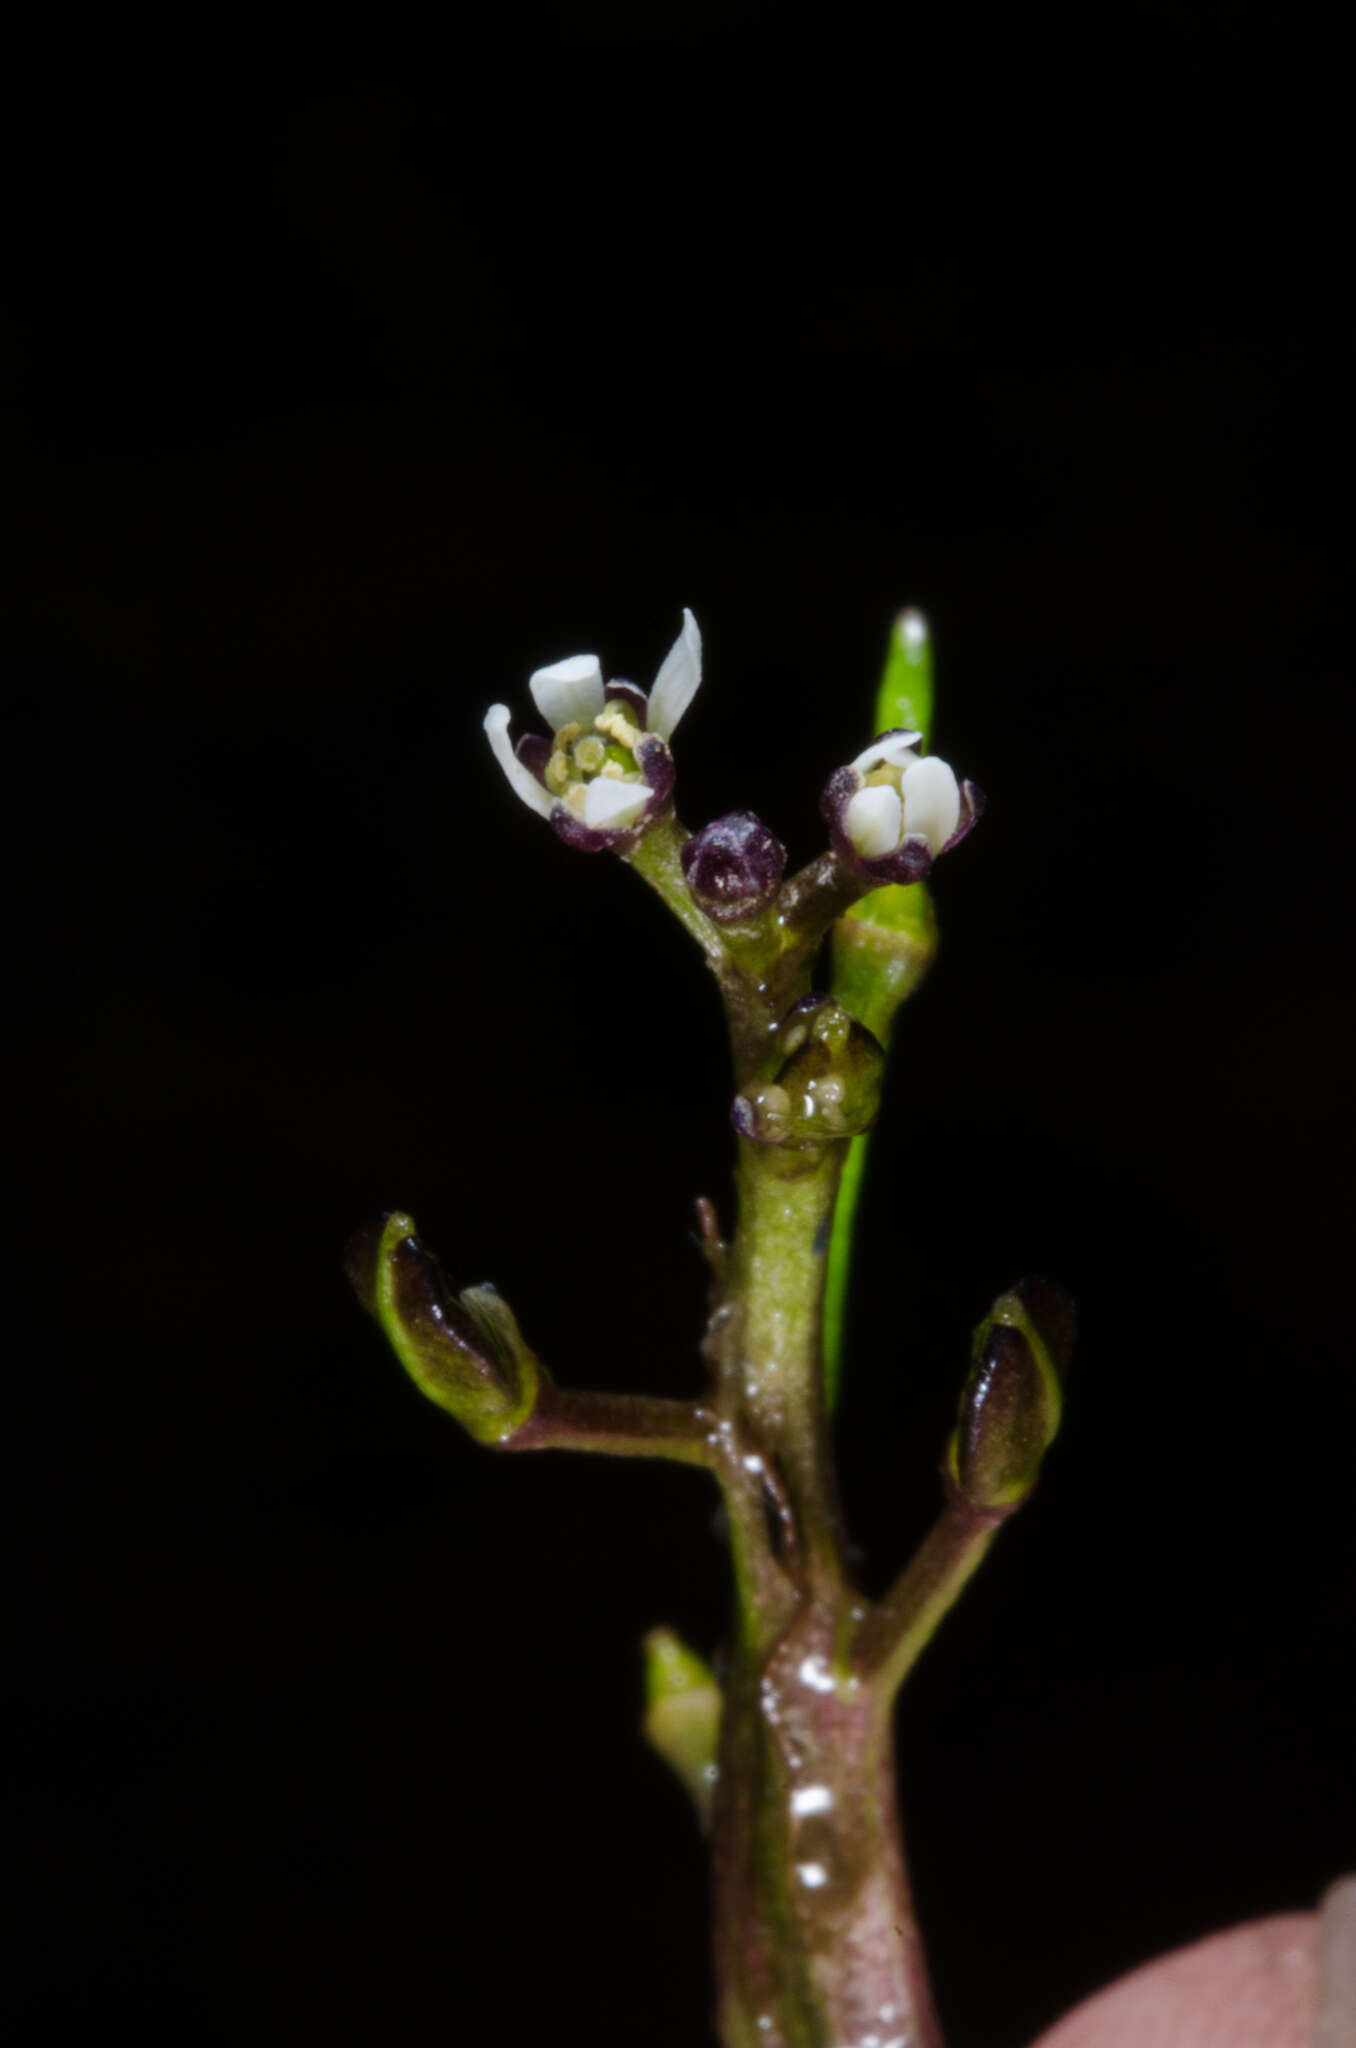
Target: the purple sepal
(973, 801)
(655, 763)
(580, 836)
(733, 867)
(534, 752)
(744, 1117)
(631, 694)
(838, 793)
(908, 863)
(896, 732)
(656, 767)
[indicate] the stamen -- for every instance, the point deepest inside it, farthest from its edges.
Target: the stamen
(618, 727)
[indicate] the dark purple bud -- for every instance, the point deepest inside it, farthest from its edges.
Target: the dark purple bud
(733, 867)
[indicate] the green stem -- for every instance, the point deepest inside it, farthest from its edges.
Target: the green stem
(816, 1943)
(656, 858)
(773, 1382)
(622, 1425)
(901, 1625)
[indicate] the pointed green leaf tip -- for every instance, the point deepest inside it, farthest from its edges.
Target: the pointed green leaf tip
(465, 1352)
(1011, 1403)
(682, 1713)
(904, 697)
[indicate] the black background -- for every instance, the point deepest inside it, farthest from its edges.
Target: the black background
(348, 381)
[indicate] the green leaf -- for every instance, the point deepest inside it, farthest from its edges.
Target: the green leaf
(881, 951)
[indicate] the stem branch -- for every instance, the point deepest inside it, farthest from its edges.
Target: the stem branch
(901, 1625)
(621, 1425)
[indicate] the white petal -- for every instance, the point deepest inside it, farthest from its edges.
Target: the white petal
(568, 691)
(873, 820)
(523, 782)
(932, 804)
(896, 750)
(610, 805)
(678, 680)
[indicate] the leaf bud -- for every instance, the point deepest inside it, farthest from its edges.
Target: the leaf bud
(465, 1351)
(1011, 1402)
(682, 1713)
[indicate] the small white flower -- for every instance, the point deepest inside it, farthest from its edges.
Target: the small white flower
(607, 765)
(921, 799)
(893, 810)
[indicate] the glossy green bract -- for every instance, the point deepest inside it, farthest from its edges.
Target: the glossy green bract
(464, 1352)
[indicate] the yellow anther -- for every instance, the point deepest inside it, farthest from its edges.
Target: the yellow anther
(618, 727)
(568, 732)
(611, 771)
(557, 772)
(574, 797)
(880, 778)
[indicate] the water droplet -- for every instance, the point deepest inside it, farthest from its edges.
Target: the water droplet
(811, 1799)
(815, 1673)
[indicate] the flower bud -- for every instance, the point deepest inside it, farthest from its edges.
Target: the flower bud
(465, 1352)
(733, 867)
(821, 1081)
(1010, 1405)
